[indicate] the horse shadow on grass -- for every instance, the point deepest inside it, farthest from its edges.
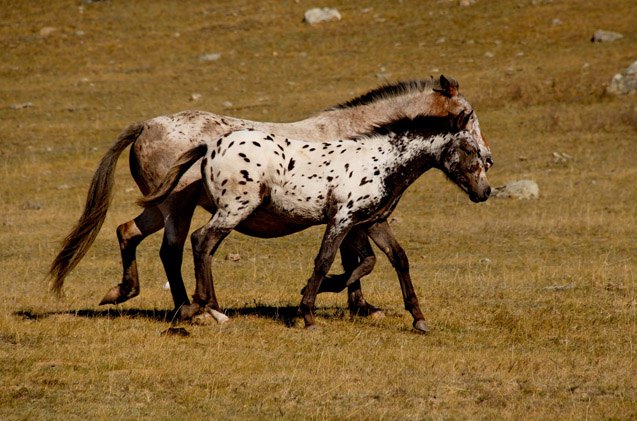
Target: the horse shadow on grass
(280, 314)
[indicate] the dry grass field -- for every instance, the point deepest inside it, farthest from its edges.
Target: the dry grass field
(532, 303)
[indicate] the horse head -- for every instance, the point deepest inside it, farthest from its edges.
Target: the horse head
(451, 101)
(462, 161)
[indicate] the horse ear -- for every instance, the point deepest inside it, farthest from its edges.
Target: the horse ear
(456, 121)
(448, 88)
(464, 119)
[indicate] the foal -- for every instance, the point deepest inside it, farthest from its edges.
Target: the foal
(252, 176)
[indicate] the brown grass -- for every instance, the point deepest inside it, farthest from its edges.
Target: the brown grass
(505, 342)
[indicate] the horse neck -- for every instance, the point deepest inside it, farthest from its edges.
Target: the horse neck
(416, 155)
(348, 122)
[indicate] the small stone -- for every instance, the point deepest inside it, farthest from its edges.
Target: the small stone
(21, 106)
(520, 189)
(320, 15)
(209, 57)
(63, 187)
(233, 257)
(195, 96)
(556, 22)
(561, 157)
(485, 261)
(560, 287)
(29, 205)
(606, 36)
(489, 54)
(227, 104)
(175, 331)
(466, 3)
(47, 31)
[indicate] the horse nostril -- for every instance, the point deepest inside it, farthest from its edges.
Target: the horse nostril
(487, 192)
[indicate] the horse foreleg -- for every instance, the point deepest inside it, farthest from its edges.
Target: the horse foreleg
(130, 234)
(384, 238)
(334, 234)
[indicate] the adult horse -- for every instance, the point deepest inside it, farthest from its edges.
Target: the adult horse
(256, 179)
(159, 141)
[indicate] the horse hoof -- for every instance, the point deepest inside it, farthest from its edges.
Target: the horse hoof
(421, 326)
(218, 316)
(377, 315)
(202, 319)
(188, 311)
(116, 295)
(312, 328)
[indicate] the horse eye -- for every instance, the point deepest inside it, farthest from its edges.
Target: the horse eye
(469, 152)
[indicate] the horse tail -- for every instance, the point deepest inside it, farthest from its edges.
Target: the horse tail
(170, 181)
(98, 199)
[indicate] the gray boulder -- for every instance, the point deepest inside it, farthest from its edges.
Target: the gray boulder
(606, 36)
(520, 189)
(625, 82)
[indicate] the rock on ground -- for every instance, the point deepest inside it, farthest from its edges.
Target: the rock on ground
(625, 82)
(319, 15)
(605, 36)
(520, 189)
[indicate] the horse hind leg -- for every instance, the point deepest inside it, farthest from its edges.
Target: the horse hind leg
(358, 259)
(129, 235)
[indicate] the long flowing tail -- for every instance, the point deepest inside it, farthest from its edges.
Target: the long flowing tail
(98, 199)
(183, 164)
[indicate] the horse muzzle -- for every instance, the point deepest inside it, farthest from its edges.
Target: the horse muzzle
(481, 195)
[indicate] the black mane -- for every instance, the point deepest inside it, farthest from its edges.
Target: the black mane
(389, 91)
(421, 125)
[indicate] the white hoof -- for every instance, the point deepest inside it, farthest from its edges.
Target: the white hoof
(218, 316)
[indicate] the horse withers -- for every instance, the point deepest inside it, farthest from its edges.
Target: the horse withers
(258, 179)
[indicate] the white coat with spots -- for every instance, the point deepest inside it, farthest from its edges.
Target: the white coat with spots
(346, 184)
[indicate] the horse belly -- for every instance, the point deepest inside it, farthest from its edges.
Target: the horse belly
(265, 224)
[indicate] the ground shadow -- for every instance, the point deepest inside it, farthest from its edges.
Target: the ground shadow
(282, 314)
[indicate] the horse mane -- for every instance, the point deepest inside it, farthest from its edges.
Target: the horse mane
(424, 125)
(391, 91)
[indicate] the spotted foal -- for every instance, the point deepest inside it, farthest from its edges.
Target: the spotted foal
(349, 185)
